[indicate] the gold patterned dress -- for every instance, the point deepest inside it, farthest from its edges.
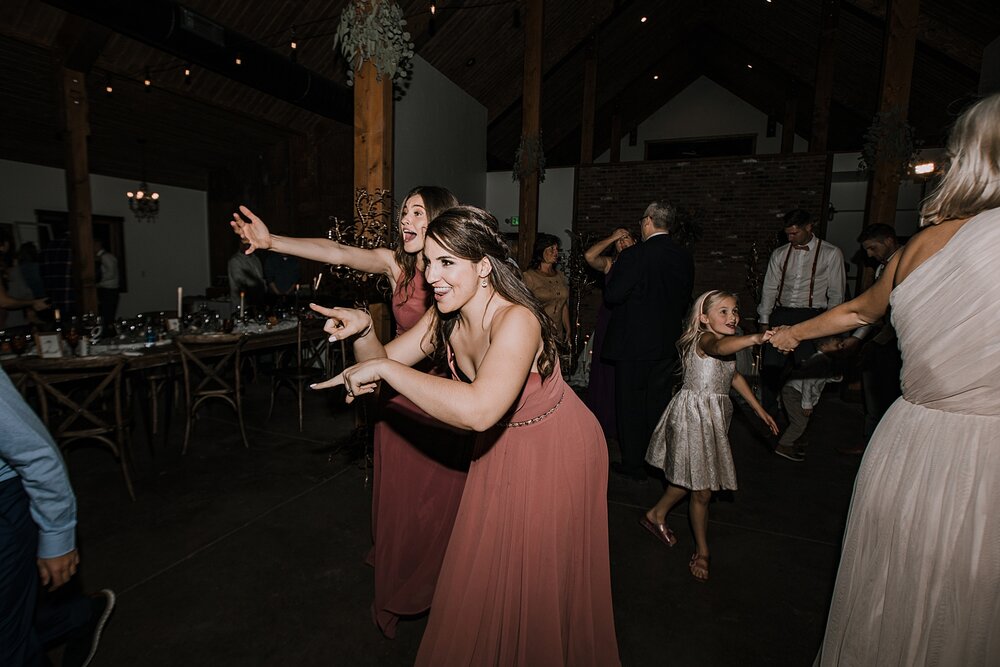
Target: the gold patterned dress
(691, 442)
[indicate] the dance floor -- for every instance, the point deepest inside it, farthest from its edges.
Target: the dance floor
(252, 557)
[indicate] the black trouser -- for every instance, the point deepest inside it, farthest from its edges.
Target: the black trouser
(774, 364)
(880, 368)
(107, 305)
(28, 622)
(642, 391)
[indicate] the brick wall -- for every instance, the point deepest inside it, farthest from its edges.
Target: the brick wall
(738, 200)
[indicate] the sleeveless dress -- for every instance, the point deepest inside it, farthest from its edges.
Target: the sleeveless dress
(919, 575)
(601, 388)
(526, 580)
(691, 441)
(418, 473)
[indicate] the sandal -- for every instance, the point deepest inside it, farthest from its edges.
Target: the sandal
(661, 531)
(699, 566)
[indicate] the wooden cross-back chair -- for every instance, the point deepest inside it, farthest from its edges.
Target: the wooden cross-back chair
(212, 373)
(310, 364)
(82, 399)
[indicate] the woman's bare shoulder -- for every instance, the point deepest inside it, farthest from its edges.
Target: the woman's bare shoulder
(924, 244)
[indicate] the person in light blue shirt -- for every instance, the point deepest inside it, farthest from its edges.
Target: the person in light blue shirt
(38, 543)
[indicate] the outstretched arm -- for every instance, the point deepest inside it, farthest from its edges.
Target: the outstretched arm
(253, 230)
(515, 338)
(353, 323)
(866, 308)
(727, 345)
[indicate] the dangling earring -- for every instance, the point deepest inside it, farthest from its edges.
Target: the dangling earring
(484, 282)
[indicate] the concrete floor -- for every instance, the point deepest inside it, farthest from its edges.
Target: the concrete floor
(251, 557)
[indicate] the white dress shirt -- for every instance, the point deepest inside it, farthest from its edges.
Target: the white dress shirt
(827, 290)
(109, 270)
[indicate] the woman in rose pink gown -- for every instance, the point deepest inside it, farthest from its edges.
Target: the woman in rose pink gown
(526, 578)
(419, 464)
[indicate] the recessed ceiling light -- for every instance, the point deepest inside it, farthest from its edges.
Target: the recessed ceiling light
(643, 19)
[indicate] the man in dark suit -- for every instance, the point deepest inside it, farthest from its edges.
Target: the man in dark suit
(648, 293)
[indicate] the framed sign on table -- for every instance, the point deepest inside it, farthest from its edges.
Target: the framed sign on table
(49, 345)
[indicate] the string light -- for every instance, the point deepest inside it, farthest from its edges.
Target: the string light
(433, 9)
(239, 60)
(643, 19)
(108, 89)
(656, 77)
(187, 74)
(147, 82)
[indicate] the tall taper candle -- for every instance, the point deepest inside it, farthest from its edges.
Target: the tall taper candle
(180, 302)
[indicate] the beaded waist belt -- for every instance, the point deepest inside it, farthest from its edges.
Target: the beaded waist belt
(534, 420)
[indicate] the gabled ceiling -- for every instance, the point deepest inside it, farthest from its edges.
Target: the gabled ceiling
(190, 128)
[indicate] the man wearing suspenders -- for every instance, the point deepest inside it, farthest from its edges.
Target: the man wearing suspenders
(804, 278)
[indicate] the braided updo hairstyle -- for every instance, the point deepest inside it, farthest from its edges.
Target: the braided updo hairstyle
(471, 233)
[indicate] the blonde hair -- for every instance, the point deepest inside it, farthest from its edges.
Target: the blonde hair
(971, 182)
(695, 327)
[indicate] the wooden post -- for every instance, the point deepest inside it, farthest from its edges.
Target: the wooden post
(373, 123)
(788, 125)
(589, 102)
(531, 137)
(73, 99)
(894, 100)
(616, 137)
(824, 76)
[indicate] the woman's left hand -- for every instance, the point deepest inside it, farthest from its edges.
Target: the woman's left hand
(357, 380)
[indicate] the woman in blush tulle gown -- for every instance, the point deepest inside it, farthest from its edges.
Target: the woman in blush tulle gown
(526, 578)
(920, 567)
(419, 465)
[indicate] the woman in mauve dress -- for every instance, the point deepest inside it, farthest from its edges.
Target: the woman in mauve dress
(419, 465)
(526, 578)
(920, 566)
(601, 387)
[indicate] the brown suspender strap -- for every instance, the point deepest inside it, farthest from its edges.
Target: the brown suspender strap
(781, 283)
(812, 277)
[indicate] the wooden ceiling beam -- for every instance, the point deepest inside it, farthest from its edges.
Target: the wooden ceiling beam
(79, 43)
(934, 38)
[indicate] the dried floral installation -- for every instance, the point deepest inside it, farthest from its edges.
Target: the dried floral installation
(372, 227)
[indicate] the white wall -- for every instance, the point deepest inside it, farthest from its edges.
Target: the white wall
(440, 137)
(704, 109)
(555, 201)
(161, 256)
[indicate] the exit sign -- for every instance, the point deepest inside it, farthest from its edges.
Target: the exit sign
(515, 221)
